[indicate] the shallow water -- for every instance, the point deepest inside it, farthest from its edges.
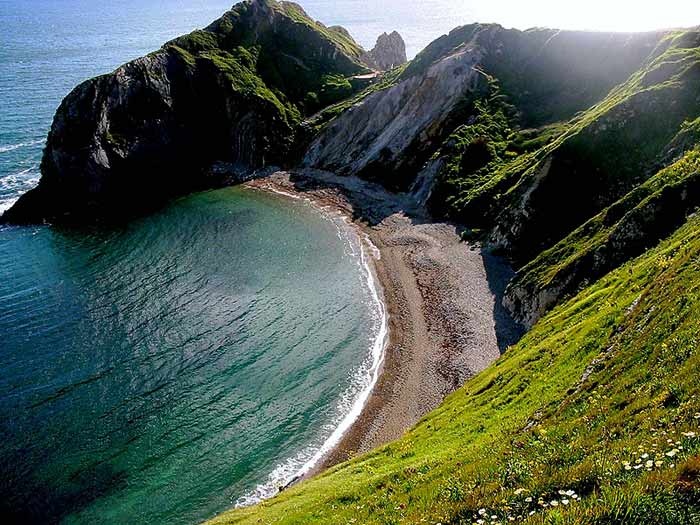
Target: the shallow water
(160, 371)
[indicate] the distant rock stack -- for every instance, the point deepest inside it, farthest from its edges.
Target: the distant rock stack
(388, 53)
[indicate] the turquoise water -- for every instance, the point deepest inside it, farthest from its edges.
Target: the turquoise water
(159, 372)
(194, 359)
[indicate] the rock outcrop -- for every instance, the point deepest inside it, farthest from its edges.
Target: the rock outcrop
(235, 92)
(383, 136)
(388, 53)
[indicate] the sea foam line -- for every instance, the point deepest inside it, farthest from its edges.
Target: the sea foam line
(298, 466)
(6, 205)
(12, 147)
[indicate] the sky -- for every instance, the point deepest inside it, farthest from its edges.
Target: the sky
(421, 21)
(599, 15)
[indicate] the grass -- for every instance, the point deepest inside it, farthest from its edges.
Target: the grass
(563, 174)
(593, 417)
(622, 231)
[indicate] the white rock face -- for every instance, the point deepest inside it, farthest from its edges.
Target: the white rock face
(379, 130)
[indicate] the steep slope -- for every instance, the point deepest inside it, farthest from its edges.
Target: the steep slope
(549, 75)
(550, 433)
(234, 92)
(622, 231)
(528, 190)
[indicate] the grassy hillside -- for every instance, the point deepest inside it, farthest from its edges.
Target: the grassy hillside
(539, 185)
(593, 417)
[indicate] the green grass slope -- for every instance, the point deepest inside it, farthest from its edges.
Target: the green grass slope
(549, 181)
(622, 231)
(593, 417)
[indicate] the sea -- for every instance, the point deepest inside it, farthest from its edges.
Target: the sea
(190, 361)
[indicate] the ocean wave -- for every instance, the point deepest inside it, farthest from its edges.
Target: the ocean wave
(20, 180)
(12, 147)
(353, 400)
(7, 204)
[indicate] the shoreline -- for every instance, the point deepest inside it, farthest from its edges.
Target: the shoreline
(435, 340)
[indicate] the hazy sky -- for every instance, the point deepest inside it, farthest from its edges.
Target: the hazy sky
(421, 21)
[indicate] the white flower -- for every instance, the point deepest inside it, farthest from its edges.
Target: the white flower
(645, 456)
(658, 463)
(482, 512)
(528, 500)
(649, 464)
(532, 513)
(554, 503)
(689, 434)
(565, 501)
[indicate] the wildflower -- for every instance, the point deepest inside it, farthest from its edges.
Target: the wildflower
(658, 463)
(689, 434)
(565, 501)
(645, 456)
(494, 517)
(628, 467)
(480, 522)
(570, 493)
(532, 513)
(697, 416)
(528, 500)
(672, 453)
(482, 512)
(554, 503)
(649, 464)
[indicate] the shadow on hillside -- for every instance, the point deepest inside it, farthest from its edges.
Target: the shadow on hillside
(499, 273)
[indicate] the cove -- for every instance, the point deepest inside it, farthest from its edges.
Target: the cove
(168, 369)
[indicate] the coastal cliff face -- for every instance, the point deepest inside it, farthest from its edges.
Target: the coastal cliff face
(525, 137)
(235, 93)
(546, 76)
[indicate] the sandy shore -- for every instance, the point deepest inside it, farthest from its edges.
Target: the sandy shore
(443, 297)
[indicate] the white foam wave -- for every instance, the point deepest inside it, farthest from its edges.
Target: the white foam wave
(7, 204)
(12, 147)
(352, 402)
(20, 180)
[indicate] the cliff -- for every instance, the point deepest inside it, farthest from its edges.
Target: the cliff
(235, 92)
(546, 75)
